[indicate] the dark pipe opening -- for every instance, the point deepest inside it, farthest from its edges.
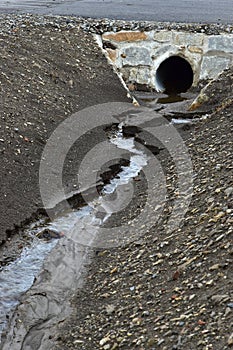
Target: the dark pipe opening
(174, 75)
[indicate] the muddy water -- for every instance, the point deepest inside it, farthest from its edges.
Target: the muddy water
(69, 255)
(156, 99)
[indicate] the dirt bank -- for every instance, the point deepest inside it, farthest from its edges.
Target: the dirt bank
(50, 69)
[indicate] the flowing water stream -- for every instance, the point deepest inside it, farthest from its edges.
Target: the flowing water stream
(41, 280)
(18, 277)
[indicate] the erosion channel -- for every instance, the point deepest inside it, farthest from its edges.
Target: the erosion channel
(52, 265)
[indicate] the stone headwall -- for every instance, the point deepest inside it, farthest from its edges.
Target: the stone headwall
(138, 54)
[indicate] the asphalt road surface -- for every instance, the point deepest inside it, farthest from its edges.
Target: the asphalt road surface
(205, 11)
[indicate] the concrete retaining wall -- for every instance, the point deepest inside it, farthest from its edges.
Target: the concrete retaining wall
(137, 55)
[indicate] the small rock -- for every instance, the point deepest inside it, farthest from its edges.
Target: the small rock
(199, 101)
(200, 343)
(71, 83)
(103, 341)
(229, 191)
(110, 309)
(145, 313)
(176, 275)
(107, 346)
(209, 283)
(218, 298)
(137, 321)
(151, 342)
(161, 341)
(201, 323)
(49, 234)
(114, 270)
(218, 216)
(214, 267)
(230, 340)
(227, 312)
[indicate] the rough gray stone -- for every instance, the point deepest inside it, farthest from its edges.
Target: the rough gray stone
(141, 75)
(163, 49)
(213, 65)
(183, 38)
(221, 43)
(135, 56)
(163, 36)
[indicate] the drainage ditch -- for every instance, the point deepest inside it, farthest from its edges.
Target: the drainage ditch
(66, 258)
(51, 267)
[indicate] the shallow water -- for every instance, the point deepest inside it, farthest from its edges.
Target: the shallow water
(18, 277)
(171, 99)
(137, 161)
(156, 98)
(181, 121)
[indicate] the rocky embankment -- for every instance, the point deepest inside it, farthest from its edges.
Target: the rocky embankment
(171, 291)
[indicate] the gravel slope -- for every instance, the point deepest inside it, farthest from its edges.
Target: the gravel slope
(171, 291)
(165, 291)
